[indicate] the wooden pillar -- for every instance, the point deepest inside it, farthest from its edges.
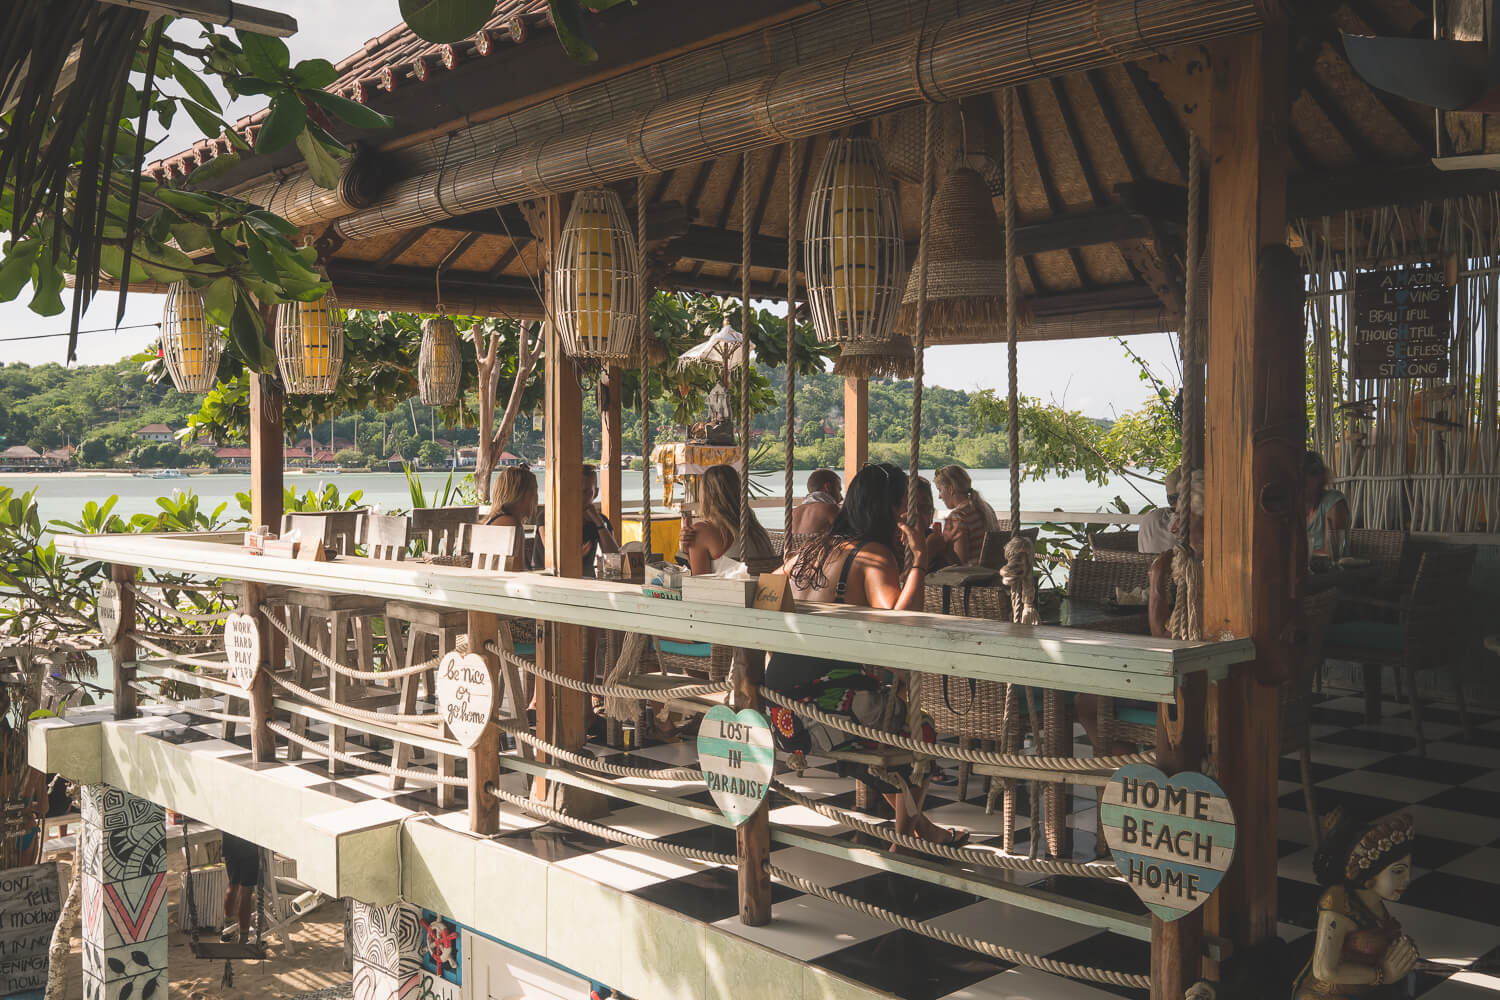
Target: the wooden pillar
(856, 427)
(122, 650)
(262, 740)
(1256, 428)
(266, 460)
(561, 713)
(610, 481)
(752, 839)
(484, 756)
(1177, 945)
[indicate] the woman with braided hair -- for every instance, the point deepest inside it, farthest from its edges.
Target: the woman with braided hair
(1359, 950)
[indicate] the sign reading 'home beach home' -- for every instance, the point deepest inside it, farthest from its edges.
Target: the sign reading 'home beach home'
(1172, 838)
(1403, 322)
(736, 753)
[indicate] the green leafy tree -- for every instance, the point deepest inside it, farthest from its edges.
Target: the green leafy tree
(431, 454)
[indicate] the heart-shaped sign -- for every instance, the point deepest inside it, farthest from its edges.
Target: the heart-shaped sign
(1173, 838)
(242, 646)
(108, 610)
(466, 696)
(736, 753)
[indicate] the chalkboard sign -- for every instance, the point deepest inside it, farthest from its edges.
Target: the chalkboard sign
(1172, 838)
(1403, 324)
(30, 901)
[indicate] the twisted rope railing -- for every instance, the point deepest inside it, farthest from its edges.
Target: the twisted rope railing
(948, 751)
(967, 855)
(183, 658)
(525, 735)
(168, 585)
(166, 609)
(347, 671)
(605, 690)
(409, 773)
(392, 719)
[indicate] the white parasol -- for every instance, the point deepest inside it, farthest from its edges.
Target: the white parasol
(721, 351)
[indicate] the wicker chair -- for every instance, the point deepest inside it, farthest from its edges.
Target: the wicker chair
(1428, 635)
(1114, 541)
(1099, 579)
(439, 530)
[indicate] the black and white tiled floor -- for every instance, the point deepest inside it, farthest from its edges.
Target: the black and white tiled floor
(1452, 909)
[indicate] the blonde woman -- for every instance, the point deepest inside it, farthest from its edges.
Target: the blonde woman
(513, 503)
(969, 517)
(710, 541)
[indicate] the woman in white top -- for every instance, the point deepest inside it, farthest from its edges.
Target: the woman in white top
(710, 543)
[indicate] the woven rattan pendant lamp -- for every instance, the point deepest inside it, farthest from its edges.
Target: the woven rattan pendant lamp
(893, 358)
(856, 256)
(440, 366)
(190, 344)
(965, 267)
(598, 280)
(310, 344)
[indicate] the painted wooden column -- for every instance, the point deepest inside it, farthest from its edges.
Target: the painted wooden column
(123, 853)
(484, 756)
(1256, 428)
(122, 649)
(1177, 945)
(856, 427)
(611, 483)
(561, 713)
(753, 837)
(385, 943)
(267, 400)
(262, 739)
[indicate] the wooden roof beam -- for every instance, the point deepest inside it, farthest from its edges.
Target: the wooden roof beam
(1162, 117)
(1049, 187)
(1328, 106)
(398, 248)
(1330, 193)
(1411, 119)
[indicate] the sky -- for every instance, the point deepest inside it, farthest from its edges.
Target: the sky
(1094, 376)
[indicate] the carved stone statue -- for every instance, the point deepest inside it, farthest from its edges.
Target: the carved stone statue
(719, 427)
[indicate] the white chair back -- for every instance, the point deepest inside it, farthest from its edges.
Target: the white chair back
(494, 547)
(386, 536)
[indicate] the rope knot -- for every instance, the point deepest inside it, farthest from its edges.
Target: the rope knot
(1020, 556)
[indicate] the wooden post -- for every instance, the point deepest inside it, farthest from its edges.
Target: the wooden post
(1177, 945)
(122, 650)
(752, 840)
(484, 756)
(266, 460)
(612, 384)
(561, 713)
(856, 427)
(262, 740)
(1256, 432)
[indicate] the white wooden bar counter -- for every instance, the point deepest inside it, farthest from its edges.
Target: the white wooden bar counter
(1124, 666)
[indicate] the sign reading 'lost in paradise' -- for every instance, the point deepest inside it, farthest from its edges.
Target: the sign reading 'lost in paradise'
(29, 906)
(1172, 838)
(1403, 323)
(736, 753)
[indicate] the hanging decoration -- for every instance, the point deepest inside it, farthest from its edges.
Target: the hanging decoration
(598, 280)
(440, 366)
(965, 267)
(190, 344)
(856, 255)
(310, 344)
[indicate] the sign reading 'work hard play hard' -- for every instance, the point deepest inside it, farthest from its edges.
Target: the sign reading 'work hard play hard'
(736, 753)
(1403, 323)
(1172, 838)
(29, 906)
(465, 695)
(242, 649)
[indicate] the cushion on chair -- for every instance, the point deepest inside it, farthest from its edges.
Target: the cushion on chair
(1367, 635)
(1135, 714)
(702, 649)
(525, 648)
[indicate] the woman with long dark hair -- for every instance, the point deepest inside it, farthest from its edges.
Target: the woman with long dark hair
(857, 561)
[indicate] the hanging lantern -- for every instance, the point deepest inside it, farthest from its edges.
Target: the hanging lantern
(598, 280)
(440, 366)
(894, 358)
(190, 344)
(856, 256)
(965, 267)
(310, 344)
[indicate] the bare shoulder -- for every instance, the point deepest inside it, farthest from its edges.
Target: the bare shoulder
(876, 556)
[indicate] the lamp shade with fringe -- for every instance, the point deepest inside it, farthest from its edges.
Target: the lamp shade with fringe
(440, 364)
(855, 254)
(190, 344)
(598, 279)
(965, 267)
(310, 344)
(894, 358)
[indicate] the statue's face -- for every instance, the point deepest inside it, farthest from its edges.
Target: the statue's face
(1201, 990)
(1392, 880)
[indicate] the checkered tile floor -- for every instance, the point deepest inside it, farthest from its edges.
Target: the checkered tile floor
(1450, 909)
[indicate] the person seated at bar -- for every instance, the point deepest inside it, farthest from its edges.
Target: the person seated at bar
(1327, 512)
(598, 533)
(821, 505)
(1158, 531)
(856, 562)
(923, 517)
(711, 542)
(969, 517)
(513, 503)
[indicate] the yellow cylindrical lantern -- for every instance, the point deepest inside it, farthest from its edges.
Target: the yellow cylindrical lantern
(310, 344)
(190, 344)
(317, 355)
(855, 253)
(597, 279)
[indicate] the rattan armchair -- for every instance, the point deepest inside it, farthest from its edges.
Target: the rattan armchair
(1115, 541)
